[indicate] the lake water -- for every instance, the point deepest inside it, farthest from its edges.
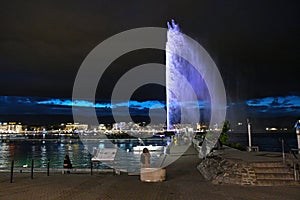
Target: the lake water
(265, 141)
(22, 152)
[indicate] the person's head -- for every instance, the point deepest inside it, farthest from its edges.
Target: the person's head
(145, 150)
(67, 156)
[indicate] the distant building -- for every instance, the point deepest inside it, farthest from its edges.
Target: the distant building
(11, 127)
(76, 126)
(120, 126)
(201, 127)
(101, 127)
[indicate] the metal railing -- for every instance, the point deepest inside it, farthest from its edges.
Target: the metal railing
(291, 158)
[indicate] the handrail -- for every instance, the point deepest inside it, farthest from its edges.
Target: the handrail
(289, 148)
(295, 160)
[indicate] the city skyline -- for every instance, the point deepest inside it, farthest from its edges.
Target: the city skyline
(266, 112)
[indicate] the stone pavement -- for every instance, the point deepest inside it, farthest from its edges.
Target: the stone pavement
(183, 182)
(259, 156)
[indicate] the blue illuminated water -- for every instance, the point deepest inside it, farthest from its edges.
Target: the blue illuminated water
(183, 81)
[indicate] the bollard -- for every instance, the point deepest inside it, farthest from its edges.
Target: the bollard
(249, 135)
(283, 153)
(297, 127)
(12, 171)
(91, 168)
(32, 163)
(48, 167)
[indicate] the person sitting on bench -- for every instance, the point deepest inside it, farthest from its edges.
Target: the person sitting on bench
(67, 163)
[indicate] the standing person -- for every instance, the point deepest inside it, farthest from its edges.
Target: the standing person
(145, 158)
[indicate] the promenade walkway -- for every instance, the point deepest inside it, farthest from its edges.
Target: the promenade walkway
(183, 182)
(259, 156)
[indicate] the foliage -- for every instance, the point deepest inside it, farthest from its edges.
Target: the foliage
(224, 137)
(224, 134)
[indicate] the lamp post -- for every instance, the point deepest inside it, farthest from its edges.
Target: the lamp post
(249, 135)
(297, 127)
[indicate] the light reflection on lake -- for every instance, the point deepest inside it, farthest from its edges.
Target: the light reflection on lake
(22, 152)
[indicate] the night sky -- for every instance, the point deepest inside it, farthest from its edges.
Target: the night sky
(255, 44)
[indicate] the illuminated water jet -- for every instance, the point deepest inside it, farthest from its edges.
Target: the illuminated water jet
(178, 72)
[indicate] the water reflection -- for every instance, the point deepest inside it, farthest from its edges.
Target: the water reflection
(4, 149)
(22, 152)
(44, 156)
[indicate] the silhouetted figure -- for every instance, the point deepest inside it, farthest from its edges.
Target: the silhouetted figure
(67, 163)
(145, 158)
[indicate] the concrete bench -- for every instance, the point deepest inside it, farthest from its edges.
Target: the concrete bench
(66, 170)
(153, 174)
